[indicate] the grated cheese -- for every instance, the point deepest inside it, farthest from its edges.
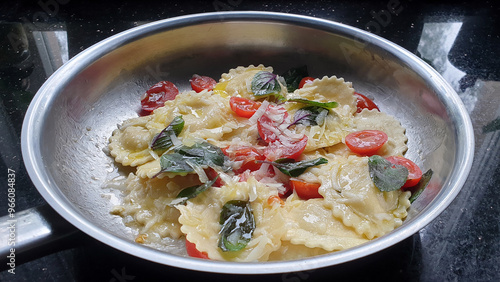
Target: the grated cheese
(199, 170)
(260, 112)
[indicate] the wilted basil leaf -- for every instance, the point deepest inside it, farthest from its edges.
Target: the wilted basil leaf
(174, 162)
(163, 140)
(385, 175)
(203, 154)
(421, 185)
(295, 169)
(310, 116)
(327, 105)
(293, 77)
(194, 191)
(265, 83)
(238, 224)
(183, 158)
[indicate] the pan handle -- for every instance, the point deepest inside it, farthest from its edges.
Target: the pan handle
(31, 234)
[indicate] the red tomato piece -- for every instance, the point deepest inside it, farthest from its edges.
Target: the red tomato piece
(200, 83)
(273, 130)
(414, 172)
(305, 80)
(243, 107)
(366, 142)
(211, 174)
(292, 149)
(158, 94)
(257, 174)
(193, 252)
(247, 155)
(288, 190)
(306, 190)
(364, 102)
(267, 126)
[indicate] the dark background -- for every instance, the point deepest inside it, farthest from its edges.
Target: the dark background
(462, 244)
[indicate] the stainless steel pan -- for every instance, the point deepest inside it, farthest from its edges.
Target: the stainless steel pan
(69, 121)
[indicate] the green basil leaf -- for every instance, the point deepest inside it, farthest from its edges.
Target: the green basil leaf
(203, 154)
(163, 140)
(295, 169)
(237, 226)
(175, 163)
(421, 185)
(193, 191)
(182, 159)
(265, 83)
(327, 105)
(293, 77)
(310, 116)
(385, 175)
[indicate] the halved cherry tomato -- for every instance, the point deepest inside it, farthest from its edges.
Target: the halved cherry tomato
(292, 150)
(288, 190)
(305, 80)
(243, 107)
(264, 123)
(158, 94)
(200, 83)
(211, 174)
(366, 142)
(193, 252)
(279, 144)
(257, 174)
(267, 126)
(306, 190)
(414, 172)
(364, 102)
(248, 155)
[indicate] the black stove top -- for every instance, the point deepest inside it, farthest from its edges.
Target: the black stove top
(459, 39)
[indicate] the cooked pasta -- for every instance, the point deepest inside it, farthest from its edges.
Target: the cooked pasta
(247, 171)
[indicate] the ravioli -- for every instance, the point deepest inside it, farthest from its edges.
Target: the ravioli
(312, 224)
(207, 117)
(129, 144)
(373, 119)
(349, 191)
(146, 206)
(289, 251)
(180, 193)
(328, 89)
(396, 144)
(339, 120)
(200, 220)
(237, 82)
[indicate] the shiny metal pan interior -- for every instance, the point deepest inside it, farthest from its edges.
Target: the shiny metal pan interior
(68, 124)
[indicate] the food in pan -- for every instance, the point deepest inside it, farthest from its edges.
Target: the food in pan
(263, 167)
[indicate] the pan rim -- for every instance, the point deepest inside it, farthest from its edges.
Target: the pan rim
(44, 98)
